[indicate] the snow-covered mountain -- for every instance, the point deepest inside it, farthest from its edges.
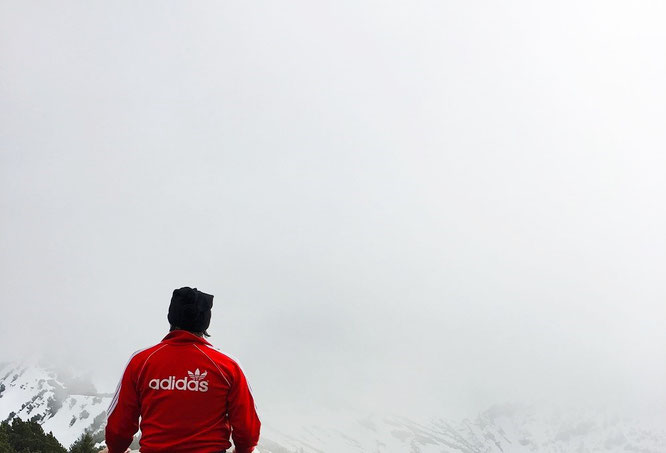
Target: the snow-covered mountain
(69, 407)
(500, 429)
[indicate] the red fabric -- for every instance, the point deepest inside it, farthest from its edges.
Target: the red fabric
(189, 396)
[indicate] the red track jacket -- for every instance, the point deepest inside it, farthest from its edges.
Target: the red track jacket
(190, 398)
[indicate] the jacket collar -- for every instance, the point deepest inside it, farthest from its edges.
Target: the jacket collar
(183, 337)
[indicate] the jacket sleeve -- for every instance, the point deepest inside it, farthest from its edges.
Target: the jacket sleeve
(123, 414)
(245, 423)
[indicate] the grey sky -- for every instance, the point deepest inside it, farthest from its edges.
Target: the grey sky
(420, 205)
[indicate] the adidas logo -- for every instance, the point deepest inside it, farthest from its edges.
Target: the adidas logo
(194, 382)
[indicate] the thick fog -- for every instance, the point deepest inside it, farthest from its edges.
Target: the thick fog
(403, 206)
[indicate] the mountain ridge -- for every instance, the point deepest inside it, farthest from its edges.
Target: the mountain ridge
(69, 407)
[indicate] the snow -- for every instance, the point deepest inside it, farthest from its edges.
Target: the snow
(507, 429)
(27, 390)
(31, 390)
(75, 416)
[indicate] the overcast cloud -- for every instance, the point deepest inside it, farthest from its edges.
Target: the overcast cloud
(403, 205)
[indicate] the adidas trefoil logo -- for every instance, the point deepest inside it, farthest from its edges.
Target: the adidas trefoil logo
(197, 376)
(194, 382)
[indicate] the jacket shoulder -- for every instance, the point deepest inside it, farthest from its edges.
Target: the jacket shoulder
(221, 357)
(138, 358)
(225, 361)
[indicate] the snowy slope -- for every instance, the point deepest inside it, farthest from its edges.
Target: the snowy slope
(32, 391)
(501, 429)
(61, 407)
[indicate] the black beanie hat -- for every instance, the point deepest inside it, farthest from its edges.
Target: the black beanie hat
(190, 309)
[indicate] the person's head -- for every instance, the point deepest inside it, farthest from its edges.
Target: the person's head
(190, 310)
